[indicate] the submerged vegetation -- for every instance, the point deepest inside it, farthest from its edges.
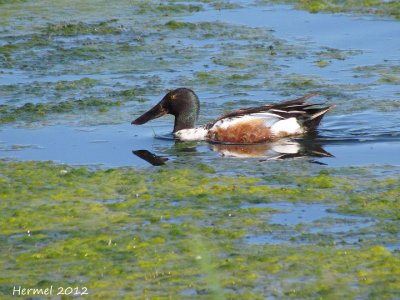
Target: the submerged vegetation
(150, 233)
(387, 74)
(239, 59)
(31, 112)
(378, 7)
(80, 28)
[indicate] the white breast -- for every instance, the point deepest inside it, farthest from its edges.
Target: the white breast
(192, 134)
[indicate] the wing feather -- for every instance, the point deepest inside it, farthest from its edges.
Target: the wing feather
(308, 114)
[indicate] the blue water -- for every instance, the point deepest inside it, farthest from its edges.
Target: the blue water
(368, 136)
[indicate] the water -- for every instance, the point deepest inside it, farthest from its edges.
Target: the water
(112, 146)
(246, 204)
(337, 31)
(307, 223)
(368, 136)
(107, 145)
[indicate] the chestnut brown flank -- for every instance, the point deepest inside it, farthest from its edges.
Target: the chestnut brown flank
(242, 133)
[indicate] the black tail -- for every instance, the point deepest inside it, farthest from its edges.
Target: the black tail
(314, 116)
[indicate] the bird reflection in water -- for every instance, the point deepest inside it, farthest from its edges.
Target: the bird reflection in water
(282, 149)
(151, 158)
(279, 150)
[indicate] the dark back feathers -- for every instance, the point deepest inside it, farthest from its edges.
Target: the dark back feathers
(308, 114)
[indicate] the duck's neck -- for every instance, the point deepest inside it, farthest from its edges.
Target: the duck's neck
(187, 116)
(185, 119)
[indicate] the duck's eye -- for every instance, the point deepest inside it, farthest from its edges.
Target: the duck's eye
(173, 96)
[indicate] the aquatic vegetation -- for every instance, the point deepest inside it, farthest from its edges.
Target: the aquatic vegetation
(145, 7)
(174, 25)
(75, 48)
(5, 55)
(31, 112)
(386, 73)
(151, 233)
(177, 231)
(80, 28)
(62, 90)
(378, 7)
(332, 53)
(300, 82)
(238, 59)
(83, 83)
(293, 83)
(327, 54)
(216, 29)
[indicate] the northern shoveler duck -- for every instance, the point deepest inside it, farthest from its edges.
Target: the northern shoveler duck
(243, 126)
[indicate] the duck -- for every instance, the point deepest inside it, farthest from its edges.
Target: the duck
(252, 125)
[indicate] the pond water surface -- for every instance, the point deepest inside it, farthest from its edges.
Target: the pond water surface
(362, 130)
(305, 217)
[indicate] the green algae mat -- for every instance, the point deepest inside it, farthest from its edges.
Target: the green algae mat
(178, 232)
(82, 217)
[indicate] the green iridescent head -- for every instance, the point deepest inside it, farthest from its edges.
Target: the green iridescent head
(182, 103)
